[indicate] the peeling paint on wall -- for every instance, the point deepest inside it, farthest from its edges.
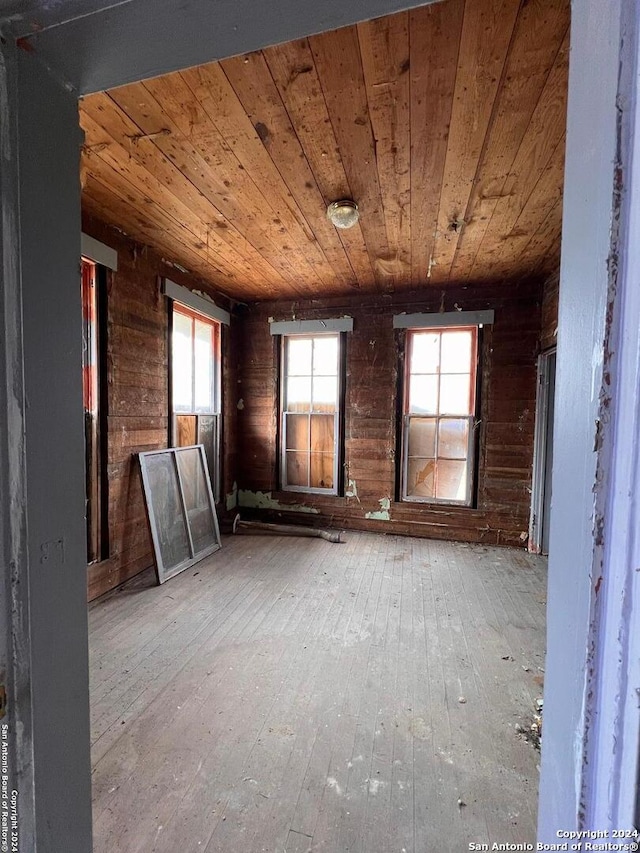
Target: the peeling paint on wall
(383, 513)
(264, 500)
(352, 490)
(240, 405)
(231, 499)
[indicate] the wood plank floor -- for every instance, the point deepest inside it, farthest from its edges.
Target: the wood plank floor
(297, 695)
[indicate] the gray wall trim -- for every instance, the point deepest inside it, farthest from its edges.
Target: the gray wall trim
(591, 188)
(187, 297)
(129, 41)
(311, 327)
(611, 781)
(15, 641)
(446, 318)
(56, 584)
(96, 251)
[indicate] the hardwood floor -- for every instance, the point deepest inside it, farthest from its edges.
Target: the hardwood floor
(297, 695)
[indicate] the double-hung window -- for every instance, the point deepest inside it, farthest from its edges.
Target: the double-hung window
(195, 386)
(439, 415)
(310, 413)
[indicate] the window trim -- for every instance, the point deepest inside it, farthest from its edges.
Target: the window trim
(472, 418)
(194, 302)
(338, 416)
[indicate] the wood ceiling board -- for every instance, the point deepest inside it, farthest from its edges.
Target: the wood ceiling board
(515, 248)
(544, 135)
(486, 35)
(99, 146)
(142, 150)
(292, 68)
(384, 48)
(142, 108)
(540, 30)
(274, 151)
(445, 112)
(540, 250)
(270, 153)
(435, 42)
(337, 59)
(275, 221)
(100, 199)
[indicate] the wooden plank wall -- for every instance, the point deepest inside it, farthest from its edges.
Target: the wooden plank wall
(508, 358)
(549, 330)
(138, 398)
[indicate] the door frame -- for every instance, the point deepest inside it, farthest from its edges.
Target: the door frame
(540, 450)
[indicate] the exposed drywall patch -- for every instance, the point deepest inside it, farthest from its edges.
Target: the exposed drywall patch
(264, 500)
(231, 499)
(352, 490)
(383, 513)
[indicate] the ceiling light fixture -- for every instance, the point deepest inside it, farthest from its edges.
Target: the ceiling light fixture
(343, 213)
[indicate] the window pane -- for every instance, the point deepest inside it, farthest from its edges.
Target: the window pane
(454, 394)
(325, 356)
(451, 480)
(422, 437)
(204, 367)
(453, 438)
(196, 498)
(423, 395)
(420, 479)
(322, 433)
(297, 432)
(325, 393)
(424, 352)
(297, 468)
(185, 430)
(166, 507)
(299, 393)
(321, 471)
(182, 358)
(207, 436)
(456, 352)
(299, 356)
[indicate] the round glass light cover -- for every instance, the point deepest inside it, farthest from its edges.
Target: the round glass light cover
(343, 214)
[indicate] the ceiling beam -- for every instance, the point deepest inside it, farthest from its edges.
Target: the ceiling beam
(108, 45)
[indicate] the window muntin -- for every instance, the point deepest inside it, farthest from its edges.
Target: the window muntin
(310, 411)
(439, 411)
(195, 386)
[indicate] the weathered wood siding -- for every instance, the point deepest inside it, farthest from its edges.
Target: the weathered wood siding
(138, 399)
(374, 351)
(549, 327)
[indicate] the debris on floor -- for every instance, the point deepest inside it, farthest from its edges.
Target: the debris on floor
(532, 730)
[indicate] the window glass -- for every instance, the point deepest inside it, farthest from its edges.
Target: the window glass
(203, 367)
(439, 410)
(182, 363)
(310, 411)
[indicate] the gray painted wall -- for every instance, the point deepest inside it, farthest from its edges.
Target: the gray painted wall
(14, 622)
(589, 182)
(144, 38)
(56, 582)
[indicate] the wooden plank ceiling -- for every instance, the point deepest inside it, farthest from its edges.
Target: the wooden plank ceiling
(446, 124)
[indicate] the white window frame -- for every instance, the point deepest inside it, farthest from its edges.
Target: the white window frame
(283, 413)
(408, 416)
